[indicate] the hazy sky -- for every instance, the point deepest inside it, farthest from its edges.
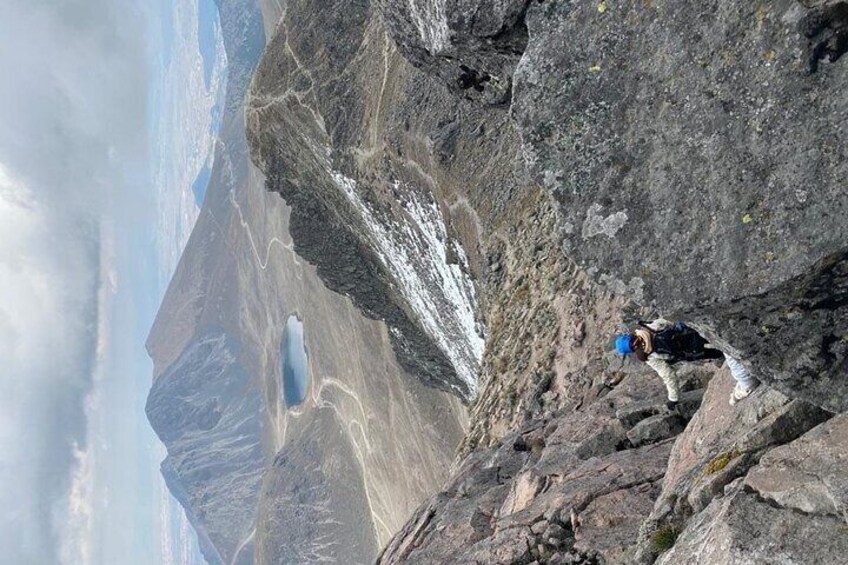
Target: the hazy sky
(77, 273)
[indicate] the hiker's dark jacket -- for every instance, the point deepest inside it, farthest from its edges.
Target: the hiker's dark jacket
(672, 343)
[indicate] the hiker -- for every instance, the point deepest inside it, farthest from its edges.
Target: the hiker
(661, 344)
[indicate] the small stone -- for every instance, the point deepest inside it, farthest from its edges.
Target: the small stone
(539, 527)
(554, 531)
(579, 332)
(656, 428)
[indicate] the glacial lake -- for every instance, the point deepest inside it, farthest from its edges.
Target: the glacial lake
(295, 369)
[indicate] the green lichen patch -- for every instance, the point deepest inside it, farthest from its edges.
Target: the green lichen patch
(721, 461)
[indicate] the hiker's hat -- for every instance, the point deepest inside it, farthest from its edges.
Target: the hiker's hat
(622, 344)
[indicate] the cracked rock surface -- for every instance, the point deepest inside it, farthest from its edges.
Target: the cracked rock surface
(721, 444)
(789, 509)
(471, 45)
(568, 488)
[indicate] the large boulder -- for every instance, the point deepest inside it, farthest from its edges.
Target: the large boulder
(744, 529)
(791, 508)
(808, 474)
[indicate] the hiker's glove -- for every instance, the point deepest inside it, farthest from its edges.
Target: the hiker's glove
(671, 405)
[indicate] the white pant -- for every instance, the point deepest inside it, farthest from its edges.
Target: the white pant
(740, 373)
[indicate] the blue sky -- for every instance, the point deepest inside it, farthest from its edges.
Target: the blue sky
(86, 194)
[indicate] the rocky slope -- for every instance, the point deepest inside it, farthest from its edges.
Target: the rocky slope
(729, 141)
(551, 170)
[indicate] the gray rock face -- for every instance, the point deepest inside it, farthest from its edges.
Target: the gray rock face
(808, 474)
(721, 444)
(656, 428)
(472, 45)
(795, 335)
(694, 172)
(743, 529)
(789, 509)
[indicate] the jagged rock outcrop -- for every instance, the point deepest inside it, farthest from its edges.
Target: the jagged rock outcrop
(721, 444)
(569, 488)
(795, 335)
(472, 45)
(790, 508)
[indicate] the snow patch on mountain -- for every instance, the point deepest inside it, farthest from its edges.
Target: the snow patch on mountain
(432, 23)
(418, 253)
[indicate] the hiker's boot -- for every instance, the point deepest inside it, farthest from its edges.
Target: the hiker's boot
(741, 393)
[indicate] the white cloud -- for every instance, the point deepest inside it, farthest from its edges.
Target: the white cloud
(79, 514)
(46, 327)
(73, 104)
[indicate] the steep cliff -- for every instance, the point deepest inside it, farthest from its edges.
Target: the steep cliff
(548, 171)
(697, 151)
